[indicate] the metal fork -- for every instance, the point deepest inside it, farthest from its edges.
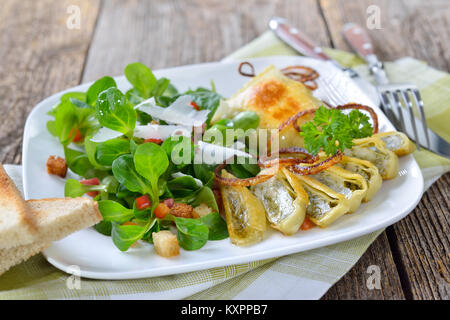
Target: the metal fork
(394, 98)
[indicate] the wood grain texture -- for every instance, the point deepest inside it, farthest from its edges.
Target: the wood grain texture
(354, 284)
(40, 56)
(421, 245)
(162, 34)
(416, 28)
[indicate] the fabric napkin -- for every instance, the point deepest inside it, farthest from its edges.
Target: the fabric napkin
(306, 275)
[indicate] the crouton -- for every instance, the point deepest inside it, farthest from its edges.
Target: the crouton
(166, 244)
(201, 211)
(181, 210)
(57, 166)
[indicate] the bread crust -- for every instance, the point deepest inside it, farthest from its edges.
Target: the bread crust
(11, 199)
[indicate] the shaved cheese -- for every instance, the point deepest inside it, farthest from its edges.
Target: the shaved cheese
(179, 112)
(105, 134)
(181, 174)
(149, 103)
(156, 131)
(213, 154)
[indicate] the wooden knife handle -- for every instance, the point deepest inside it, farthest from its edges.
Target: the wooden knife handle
(297, 40)
(358, 39)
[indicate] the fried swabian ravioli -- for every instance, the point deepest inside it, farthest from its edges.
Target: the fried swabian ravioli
(284, 201)
(244, 213)
(351, 185)
(374, 150)
(365, 169)
(325, 205)
(397, 142)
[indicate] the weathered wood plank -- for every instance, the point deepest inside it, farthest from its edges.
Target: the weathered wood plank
(354, 284)
(422, 242)
(416, 28)
(40, 56)
(170, 33)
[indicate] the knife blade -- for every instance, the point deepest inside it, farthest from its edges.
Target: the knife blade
(301, 43)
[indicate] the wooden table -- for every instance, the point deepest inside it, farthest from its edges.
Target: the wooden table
(40, 56)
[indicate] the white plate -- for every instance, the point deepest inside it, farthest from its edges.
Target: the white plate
(98, 258)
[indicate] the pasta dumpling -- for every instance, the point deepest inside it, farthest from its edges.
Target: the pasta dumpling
(284, 201)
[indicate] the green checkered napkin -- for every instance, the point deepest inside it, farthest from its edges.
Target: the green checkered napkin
(306, 275)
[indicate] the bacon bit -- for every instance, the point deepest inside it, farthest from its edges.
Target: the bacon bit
(157, 141)
(161, 210)
(169, 202)
(181, 210)
(57, 166)
(77, 136)
(91, 182)
(143, 202)
(194, 105)
(307, 224)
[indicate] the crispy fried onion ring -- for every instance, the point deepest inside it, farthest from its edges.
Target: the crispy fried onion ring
(293, 120)
(267, 163)
(362, 107)
(317, 167)
(240, 182)
(305, 75)
(246, 74)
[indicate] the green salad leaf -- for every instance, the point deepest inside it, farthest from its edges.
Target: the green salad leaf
(115, 212)
(151, 162)
(125, 172)
(124, 236)
(97, 87)
(109, 150)
(142, 78)
(114, 112)
(192, 233)
(216, 225)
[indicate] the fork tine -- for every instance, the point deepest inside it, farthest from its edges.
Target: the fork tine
(388, 109)
(399, 110)
(388, 98)
(407, 102)
(419, 103)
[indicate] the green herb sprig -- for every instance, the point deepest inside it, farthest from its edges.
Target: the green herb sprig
(331, 130)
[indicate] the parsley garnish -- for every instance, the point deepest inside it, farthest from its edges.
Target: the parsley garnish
(332, 130)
